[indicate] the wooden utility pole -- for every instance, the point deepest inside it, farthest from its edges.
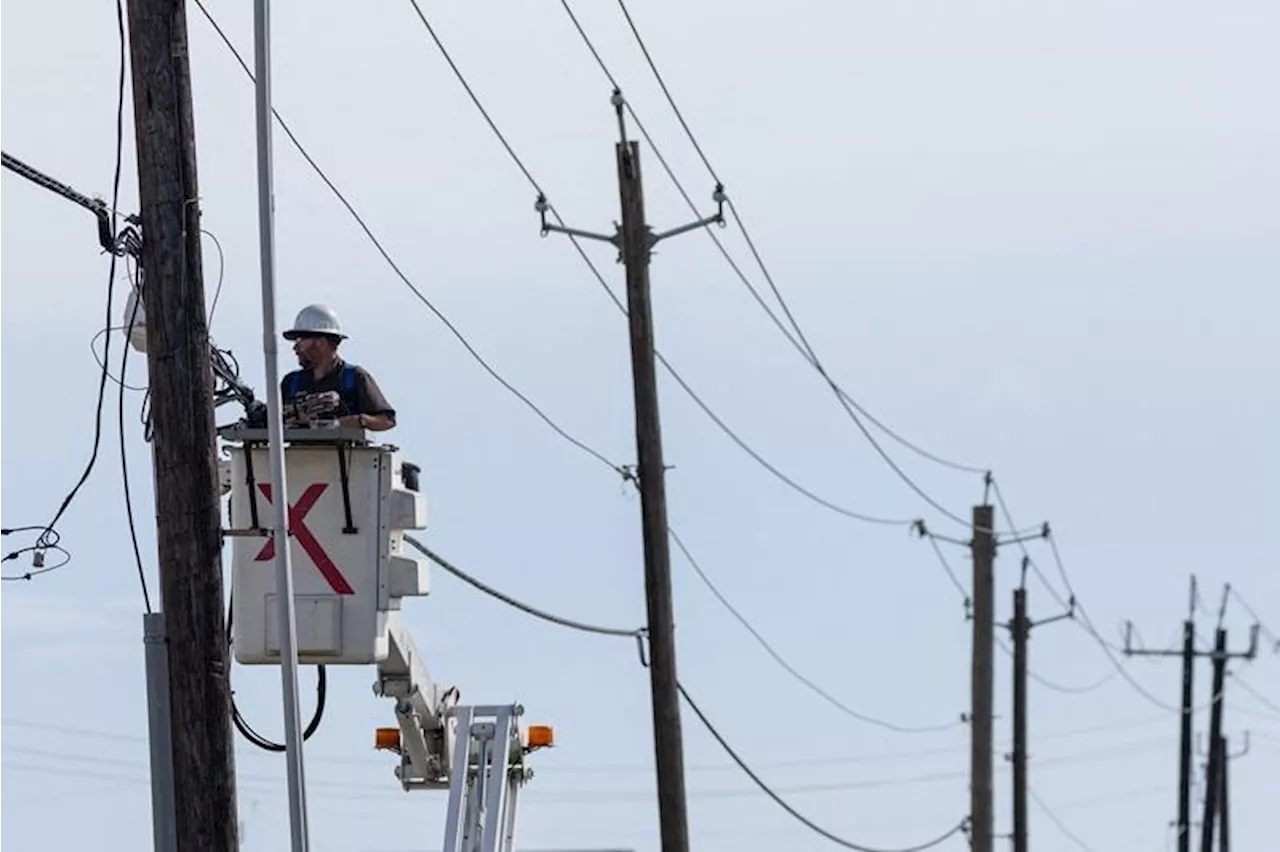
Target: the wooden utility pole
(1186, 713)
(1020, 629)
(1188, 653)
(635, 241)
(1212, 769)
(651, 476)
(1224, 810)
(188, 517)
(1187, 710)
(982, 690)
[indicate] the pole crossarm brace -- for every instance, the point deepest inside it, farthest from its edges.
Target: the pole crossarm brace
(1248, 654)
(651, 239)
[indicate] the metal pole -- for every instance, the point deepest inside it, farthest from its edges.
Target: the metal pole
(287, 630)
(160, 733)
(982, 685)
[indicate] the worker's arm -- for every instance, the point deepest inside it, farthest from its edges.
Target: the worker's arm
(372, 422)
(379, 415)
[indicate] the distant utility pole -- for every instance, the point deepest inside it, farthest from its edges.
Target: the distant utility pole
(1020, 628)
(1189, 655)
(188, 517)
(982, 692)
(1224, 798)
(635, 240)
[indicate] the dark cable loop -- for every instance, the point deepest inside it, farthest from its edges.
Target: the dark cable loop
(243, 726)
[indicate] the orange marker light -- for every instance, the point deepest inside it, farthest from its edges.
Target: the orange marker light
(387, 739)
(541, 736)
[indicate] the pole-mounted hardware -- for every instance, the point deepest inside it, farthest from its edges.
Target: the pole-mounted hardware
(128, 242)
(615, 240)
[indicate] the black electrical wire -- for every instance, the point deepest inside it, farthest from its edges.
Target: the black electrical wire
(124, 457)
(1085, 622)
(1057, 822)
(618, 302)
(512, 602)
(581, 252)
(242, 725)
(962, 826)
(790, 669)
(808, 350)
(46, 539)
(613, 631)
(798, 339)
(1057, 687)
(395, 268)
(534, 183)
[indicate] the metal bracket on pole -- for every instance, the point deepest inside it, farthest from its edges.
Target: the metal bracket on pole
(718, 196)
(542, 206)
(160, 731)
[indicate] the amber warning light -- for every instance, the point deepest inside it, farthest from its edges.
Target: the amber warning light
(386, 739)
(540, 736)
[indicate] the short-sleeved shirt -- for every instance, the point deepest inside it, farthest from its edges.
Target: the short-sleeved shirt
(358, 395)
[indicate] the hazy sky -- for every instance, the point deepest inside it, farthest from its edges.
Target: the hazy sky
(1042, 237)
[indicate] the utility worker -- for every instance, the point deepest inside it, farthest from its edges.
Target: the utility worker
(327, 388)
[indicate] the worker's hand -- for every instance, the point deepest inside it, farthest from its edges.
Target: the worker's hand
(319, 406)
(295, 416)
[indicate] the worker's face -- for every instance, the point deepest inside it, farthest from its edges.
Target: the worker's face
(313, 350)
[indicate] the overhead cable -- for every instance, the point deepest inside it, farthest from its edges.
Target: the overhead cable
(475, 99)
(801, 344)
(613, 631)
(1085, 622)
(1068, 833)
(513, 602)
(780, 660)
(116, 246)
(377, 244)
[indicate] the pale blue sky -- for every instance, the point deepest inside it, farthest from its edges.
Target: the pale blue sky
(1038, 237)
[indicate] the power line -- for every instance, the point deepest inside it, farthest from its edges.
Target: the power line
(582, 253)
(1262, 627)
(49, 538)
(1057, 687)
(782, 803)
(604, 284)
(394, 266)
(510, 601)
(513, 602)
(298, 145)
(1264, 700)
(801, 344)
(1059, 823)
(1085, 622)
(780, 660)
(639, 633)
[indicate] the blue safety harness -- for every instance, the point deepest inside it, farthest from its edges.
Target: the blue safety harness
(347, 389)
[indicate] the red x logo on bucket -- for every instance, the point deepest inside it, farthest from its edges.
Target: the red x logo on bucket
(298, 526)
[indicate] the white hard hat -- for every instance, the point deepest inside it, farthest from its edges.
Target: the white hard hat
(315, 319)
